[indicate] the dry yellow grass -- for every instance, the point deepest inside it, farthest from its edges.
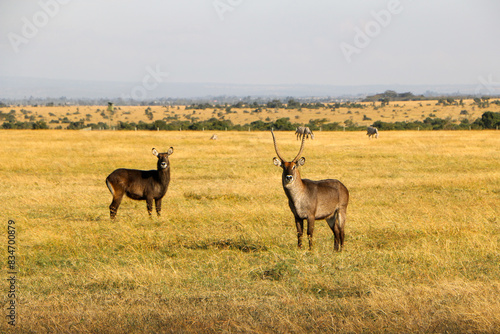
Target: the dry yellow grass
(422, 234)
(409, 111)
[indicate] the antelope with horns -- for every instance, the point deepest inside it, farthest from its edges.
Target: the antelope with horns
(146, 185)
(313, 200)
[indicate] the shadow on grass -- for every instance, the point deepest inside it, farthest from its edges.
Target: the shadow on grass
(322, 291)
(216, 197)
(243, 245)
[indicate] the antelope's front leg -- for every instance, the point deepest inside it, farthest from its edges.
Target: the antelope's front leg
(158, 206)
(310, 231)
(299, 223)
(149, 203)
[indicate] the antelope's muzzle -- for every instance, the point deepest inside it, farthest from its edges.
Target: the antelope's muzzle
(163, 165)
(289, 178)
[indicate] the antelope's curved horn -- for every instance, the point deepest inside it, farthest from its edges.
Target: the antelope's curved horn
(276, 147)
(301, 148)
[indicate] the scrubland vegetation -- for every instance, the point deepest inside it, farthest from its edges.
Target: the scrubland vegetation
(442, 114)
(422, 236)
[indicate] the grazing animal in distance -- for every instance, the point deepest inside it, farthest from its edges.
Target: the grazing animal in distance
(372, 131)
(137, 184)
(302, 131)
(214, 137)
(313, 200)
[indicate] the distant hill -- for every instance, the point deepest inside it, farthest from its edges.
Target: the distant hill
(390, 95)
(23, 88)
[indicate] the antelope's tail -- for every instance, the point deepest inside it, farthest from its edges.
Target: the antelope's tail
(110, 187)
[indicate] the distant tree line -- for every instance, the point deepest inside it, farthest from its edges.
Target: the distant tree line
(223, 100)
(489, 120)
(392, 96)
(290, 103)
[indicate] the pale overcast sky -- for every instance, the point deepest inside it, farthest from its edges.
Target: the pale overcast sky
(332, 42)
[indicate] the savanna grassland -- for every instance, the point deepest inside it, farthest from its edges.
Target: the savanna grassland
(359, 114)
(422, 236)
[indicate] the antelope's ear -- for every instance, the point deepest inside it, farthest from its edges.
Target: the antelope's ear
(170, 150)
(301, 161)
(155, 152)
(277, 161)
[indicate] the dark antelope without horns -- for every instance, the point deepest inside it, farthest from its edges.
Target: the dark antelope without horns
(302, 131)
(313, 200)
(146, 185)
(371, 131)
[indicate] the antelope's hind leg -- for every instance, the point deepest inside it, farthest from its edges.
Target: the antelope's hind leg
(336, 223)
(341, 221)
(117, 198)
(113, 207)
